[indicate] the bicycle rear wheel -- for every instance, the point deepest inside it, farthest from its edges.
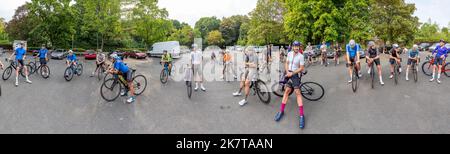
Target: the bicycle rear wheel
(427, 68)
(140, 84)
(45, 71)
(262, 91)
(189, 88)
(396, 74)
(22, 70)
(355, 80)
(372, 75)
(7, 73)
(312, 91)
(447, 71)
(110, 90)
(33, 68)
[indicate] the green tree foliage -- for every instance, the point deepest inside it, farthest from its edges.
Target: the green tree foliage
(206, 25)
(185, 35)
(266, 23)
(231, 28)
(21, 24)
(215, 38)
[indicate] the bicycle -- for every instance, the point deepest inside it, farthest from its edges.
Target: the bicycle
(71, 70)
(188, 79)
(355, 77)
(372, 73)
(164, 77)
(336, 58)
(414, 70)
(44, 70)
(119, 83)
(306, 89)
(427, 67)
(101, 73)
(325, 59)
(13, 65)
(396, 71)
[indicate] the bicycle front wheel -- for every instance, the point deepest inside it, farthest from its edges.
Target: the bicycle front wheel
(140, 84)
(110, 90)
(7, 73)
(164, 76)
(427, 68)
(396, 74)
(68, 74)
(312, 91)
(80, 69)
(355, 80)
(262, 91)
(278, 89)
(45, 71)
(447, 71)
(372, 75)
(189, 88)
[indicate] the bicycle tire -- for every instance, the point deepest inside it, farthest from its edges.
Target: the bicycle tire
(306, 89)
(7, 73)
(372, 75)
(427, 68)
(164, 76)
(189, 88)
(396, 74)
(22, 71)
(446, 70)
(79, 69)
(355, 79)
(68, 74)
(278, 90)
(100, 73)
(45, 75)
(416, 78)
(138, 85)
(114, 84)
(262, 92)
(33, 67)
(0, 90)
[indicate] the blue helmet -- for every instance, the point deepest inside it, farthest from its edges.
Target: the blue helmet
(296, 43)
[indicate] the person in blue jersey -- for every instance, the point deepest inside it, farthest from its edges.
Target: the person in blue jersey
(353, 57)
(120, 68)
(439, 54)
(413, 59)
(42, 54)
(20, 54)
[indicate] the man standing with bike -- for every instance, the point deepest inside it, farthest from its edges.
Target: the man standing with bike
(20, 54)
(324, 58)
(250, 74)
(353, 57)
(100, 62)
(413, 59)
(120, 68)
(42, 56)
(440, 54)
(337, 53)
(395, 58)
(197, 65)
(294, 66)
(374, 58)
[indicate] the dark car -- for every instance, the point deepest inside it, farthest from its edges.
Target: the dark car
(424, 46)
(59, 54)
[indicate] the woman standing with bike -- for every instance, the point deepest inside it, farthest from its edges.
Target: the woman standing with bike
(440, 54)
(293, 66)
(374, 58)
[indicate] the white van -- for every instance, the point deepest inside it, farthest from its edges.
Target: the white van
(173, 47)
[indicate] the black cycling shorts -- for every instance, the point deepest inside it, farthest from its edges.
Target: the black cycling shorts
(43, 61)
(20, 61)
(294, 82)
(376, 61)
(412, 61)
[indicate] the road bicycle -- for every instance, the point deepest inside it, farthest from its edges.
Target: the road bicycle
(44, 70)
(396, 71)
(165, 73)
(258, 87)
(311, 91)
(71, 70)
(13, 66)
(188, 79)
(111, 88)
(372, 73)
(355, 77)
(427, 67)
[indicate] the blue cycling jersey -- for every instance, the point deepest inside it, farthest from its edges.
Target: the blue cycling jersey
(440, 51)
(121, 67)
(20, 52)
(43, 53)
(413, 53)
(352, 51)
(72, 57)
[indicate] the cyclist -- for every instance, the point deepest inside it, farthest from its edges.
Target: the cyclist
(166, 60)
(323, 49)
(293, 66)
(269, 54)
(440, 54)
(196, 63)
(282, 54)
(120, 68)
(213, 56)
(309, 53)
(395, 57)
(353, 57)
(100, 62)
(42, 54)
(71, 59)
(226, 62)
(251, 70)
(413, 59)
(20, 56)
(337, 52)
(374, 57)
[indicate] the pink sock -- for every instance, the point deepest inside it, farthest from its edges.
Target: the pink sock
(300, 109)
(282, 107)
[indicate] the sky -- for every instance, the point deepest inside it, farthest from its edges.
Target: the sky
(190, 11)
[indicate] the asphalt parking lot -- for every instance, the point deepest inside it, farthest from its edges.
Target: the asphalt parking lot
(56, 106)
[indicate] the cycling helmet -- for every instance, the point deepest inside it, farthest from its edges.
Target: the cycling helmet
(371, 43)
(352, 43)
(442, 40)
(415, 46)
(114, 56)
(297, 43)
(395, 46)
(70, 51)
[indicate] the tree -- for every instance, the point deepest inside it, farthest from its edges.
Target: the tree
(206, 25)
(393, 20)
(230, 28)
(20, 26)
(185, 35)
(215, 38)
(266, 23)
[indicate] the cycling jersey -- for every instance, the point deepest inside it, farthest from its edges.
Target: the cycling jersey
(413, 53)
(352, 51)
(101, 57)
(43, 53)
(121, 67)
(20, 52)
(394, 53)
(167, 58)
(440, 51)
(71, 57)
(295, 60)
(372, 53)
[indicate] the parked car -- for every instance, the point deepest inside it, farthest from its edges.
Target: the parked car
(59, 54)
(431, 49)
(447, 46)
(424, 46)
(35, 52)
(172, 47)
(138, 55)
(330, 53)
(362, 54)
(90, 54)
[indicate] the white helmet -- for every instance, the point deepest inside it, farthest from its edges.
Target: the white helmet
(352, 43)
(395, 46)
(415, 46)
(70, 51)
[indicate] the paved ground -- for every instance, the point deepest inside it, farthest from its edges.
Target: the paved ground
(57, 106)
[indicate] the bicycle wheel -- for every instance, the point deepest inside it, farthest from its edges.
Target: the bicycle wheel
(189, 88)
(7, 73)
(445, 70)
(100, 73)
(0, 90)
(262, 91)
(312, 91)
(427, 68)
(33, 68)
(164, 76)
(45, 71)
(372, 75)
(68, 74)
(415, 73)
(108, 76)
(355, 80)
(396, 74)
(110, 90)
(79, 69)
(22, 70)
(278, 89)
(140, 84)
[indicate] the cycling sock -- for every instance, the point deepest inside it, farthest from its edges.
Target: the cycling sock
(300, 109)
(433, 76)
(282, 107)
(439, 76)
